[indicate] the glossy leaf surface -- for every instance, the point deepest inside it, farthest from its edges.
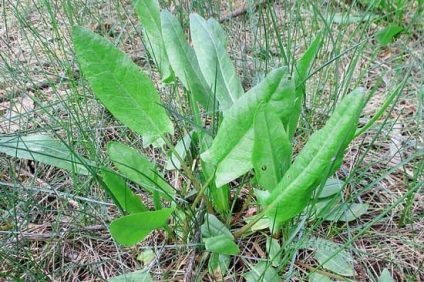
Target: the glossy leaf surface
(121, 86)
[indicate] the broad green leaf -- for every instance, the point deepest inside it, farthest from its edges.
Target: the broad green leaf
(331, 187)
(274, 251)
(272, 150)
(231, 150)
(386, 35)
(321, 157)
(262, 224)
(214, 61)
(182, 147)
(262, 272)
(45, 149)
(121, 86)
(346, 212)
(149, 15)
(214, 227)
(301, 74)
(218, 265)
(184, 62)
(135, 276)
(221, 244)
(121, 193)
(385, 276)
(138, 169)
(339, 263)
(133, 228)
(329, 255)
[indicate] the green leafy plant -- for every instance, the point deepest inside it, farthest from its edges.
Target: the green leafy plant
(251, 130)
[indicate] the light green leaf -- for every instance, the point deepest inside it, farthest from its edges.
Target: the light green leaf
(262, 272)
(272, 149)
(133, 228)
(214, 61)
(146, 256)
(301, 74)
(221, 244)
(218, 265)
(121, 193)
(385, 276)
(274, 251)
(184, 62)
(135, 276)
(232, 147)
(320, 157)
(331, 187)
(182, 147)
(339, 263)
(121, 86)
(47, 150)
(149, 15)
(386, 35)
(346, 212)
(214, 227)
(262, 224)
(139, 169)
(316, 277)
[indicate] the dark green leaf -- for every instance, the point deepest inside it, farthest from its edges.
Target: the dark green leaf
(387, 35)
(133, 228)
(121, 86)
(126, 199)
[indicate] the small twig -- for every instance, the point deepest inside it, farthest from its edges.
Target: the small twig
(241, 11)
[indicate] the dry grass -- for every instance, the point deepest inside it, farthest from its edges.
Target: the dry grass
(53, 227)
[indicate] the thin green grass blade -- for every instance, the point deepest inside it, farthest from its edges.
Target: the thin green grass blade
(121, 86)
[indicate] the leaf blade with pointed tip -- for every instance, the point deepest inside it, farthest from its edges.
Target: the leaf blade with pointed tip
(214, 61)
(232, 147)
(133, 228)
(148, 12)
(320, 157)
(121, 86)
(183, 60)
